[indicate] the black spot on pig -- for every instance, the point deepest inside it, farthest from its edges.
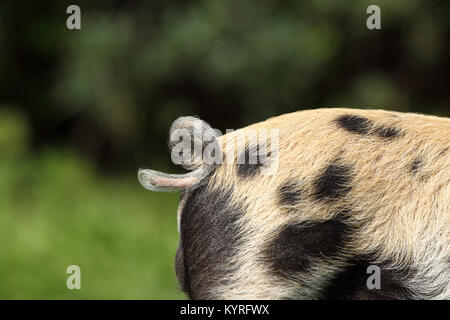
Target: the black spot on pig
(296, 244)
(251, 160)
(289, 194)
(333, 183)
(351, 282)
(415, 165)
(209, 239)
(360, 125)
(387, 132)
(354, 124)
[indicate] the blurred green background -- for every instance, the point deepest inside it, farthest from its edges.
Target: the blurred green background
(81, 111)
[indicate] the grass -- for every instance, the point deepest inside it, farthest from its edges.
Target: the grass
(55, 211)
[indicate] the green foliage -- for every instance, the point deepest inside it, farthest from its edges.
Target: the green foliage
(14, 133)
(56, 211)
